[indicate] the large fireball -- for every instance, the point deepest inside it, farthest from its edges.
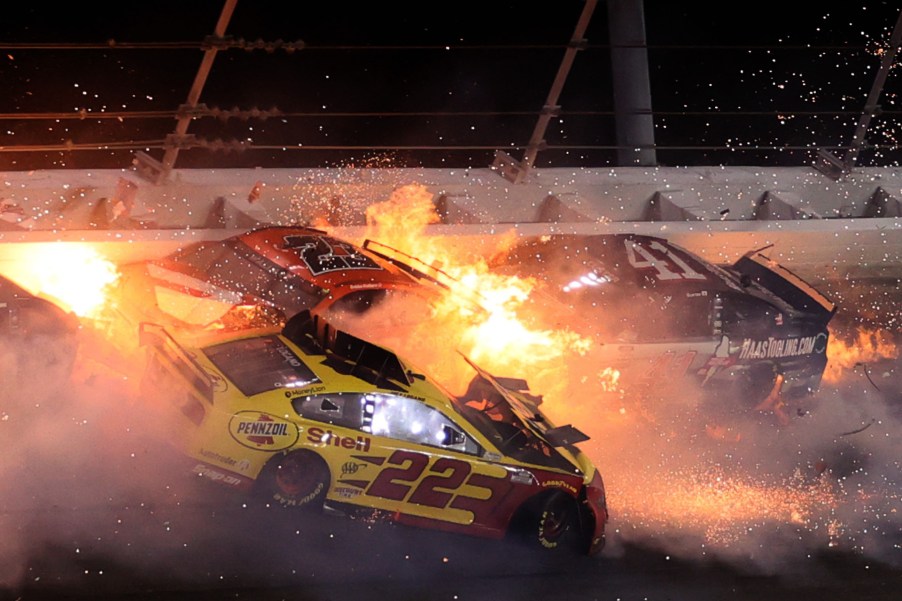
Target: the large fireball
(73, 275)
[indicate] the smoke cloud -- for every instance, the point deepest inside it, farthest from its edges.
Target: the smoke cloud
(82, 474)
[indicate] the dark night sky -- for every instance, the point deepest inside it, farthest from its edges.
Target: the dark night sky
(725, 79)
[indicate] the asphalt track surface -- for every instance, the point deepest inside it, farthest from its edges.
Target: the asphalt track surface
(258, 555)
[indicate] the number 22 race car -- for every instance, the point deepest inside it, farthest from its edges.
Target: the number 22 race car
(308, 416)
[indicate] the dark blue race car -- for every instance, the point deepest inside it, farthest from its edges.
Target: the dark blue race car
(664, 316)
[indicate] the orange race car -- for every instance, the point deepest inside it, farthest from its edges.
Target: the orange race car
(263, 276)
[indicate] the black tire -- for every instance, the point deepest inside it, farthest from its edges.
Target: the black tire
(549, 523)
(295, 480)
(748, 389)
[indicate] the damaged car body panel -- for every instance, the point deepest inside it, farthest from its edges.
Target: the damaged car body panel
(263, 276)
(308, 416)
(661, 313)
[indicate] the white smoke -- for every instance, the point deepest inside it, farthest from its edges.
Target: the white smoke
(78, 465)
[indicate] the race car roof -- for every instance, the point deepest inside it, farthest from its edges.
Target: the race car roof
(325, 260)
(630, 260)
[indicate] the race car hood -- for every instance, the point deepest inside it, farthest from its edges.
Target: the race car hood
(525, 405)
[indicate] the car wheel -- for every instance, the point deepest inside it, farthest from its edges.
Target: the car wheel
(549, 523)
(295, 480)
(753, 386)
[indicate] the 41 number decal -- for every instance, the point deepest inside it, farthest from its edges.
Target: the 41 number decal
(666, 265)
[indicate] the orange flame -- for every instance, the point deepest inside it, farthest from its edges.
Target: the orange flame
(610, 380)
(73, 275)
(499, 338)
(864, 346)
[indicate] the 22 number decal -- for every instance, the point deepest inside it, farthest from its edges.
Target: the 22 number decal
(438, 488)
(667, 267)
(388, 484)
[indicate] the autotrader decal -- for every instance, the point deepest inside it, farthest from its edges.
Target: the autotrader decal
(258, 430)
(773, 348)
(218, 457)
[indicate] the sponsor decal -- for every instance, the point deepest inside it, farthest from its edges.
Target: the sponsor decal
(349, 467)
(560, 484)
(217, 457)
(318, 435)
(520, 476)
(219, 383)
(303, 391)
(289, 501)
(372, 286)
(289, 356)
(776, 348)
(820, 343)
(346, 492)
(258, 430)
(215, 475)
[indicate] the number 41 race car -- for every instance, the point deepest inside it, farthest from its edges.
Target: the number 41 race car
(750, 331)
(307, 416)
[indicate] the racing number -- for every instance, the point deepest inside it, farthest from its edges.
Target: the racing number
(671, 365)
(385, 485)
(663, 270)
(437, 489)
(453, 472)
(321, 254)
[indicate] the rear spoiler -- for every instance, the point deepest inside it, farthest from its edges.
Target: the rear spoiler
(799, 294)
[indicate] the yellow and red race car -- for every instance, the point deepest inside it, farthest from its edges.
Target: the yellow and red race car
(308, 416)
